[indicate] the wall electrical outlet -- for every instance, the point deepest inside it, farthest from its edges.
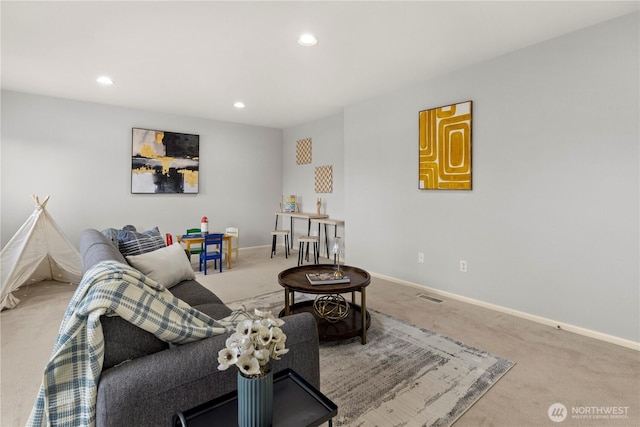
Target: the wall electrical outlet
(463, 266)
(420, 257)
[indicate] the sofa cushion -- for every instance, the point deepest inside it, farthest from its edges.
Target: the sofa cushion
(193, 293)
(125, 341)
(95, 247)
(214, 310)
(167, 266)
(135, 243)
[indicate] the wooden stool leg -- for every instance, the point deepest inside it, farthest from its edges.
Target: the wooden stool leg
(300, 254)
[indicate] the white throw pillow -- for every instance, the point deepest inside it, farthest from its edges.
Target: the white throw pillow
(167, 266)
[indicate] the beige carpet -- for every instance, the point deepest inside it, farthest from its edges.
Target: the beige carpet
(554, 366)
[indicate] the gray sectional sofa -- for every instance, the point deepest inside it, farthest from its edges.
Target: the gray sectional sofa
(144, 381)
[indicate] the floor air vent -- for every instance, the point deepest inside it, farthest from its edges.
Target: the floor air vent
(429, 297)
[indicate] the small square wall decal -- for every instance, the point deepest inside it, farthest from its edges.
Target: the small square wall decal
(324, 179)
(303, 151)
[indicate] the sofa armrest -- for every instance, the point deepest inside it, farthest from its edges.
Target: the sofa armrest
(147, 391)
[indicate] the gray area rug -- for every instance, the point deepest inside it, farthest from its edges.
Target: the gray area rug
(403, 376)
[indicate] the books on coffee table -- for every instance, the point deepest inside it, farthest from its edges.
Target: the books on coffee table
(326, 279)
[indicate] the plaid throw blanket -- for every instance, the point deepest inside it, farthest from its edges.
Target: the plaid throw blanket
(68, 392)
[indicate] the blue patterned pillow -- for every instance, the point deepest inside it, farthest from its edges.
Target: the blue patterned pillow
(112, 235)
(135, 243)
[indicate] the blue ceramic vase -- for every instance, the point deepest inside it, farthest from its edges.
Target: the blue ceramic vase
(255, 401)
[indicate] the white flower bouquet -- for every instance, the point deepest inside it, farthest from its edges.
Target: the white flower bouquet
(253, 345)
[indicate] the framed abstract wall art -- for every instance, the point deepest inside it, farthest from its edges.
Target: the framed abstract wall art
(164, 162)
(444, 150)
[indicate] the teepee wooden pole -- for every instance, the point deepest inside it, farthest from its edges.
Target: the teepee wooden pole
(37, 200)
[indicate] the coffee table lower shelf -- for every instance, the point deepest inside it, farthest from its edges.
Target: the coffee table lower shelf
(349, 327)
(296, 403)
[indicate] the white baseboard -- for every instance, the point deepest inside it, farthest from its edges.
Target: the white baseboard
(538, 319)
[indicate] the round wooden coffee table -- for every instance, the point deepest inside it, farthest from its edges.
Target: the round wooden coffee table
(356, 318)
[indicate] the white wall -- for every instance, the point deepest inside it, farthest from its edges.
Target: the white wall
(551, 227)
(80, 154)
(327, 137)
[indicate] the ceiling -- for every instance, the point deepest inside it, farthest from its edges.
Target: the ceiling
(198, 58)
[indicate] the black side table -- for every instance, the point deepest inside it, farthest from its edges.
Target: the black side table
(296, 403)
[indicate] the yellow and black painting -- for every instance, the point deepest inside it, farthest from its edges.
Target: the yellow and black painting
(164, 162)
(445, 148)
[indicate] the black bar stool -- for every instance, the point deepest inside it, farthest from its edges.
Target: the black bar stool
(301, 253)
(275, 234)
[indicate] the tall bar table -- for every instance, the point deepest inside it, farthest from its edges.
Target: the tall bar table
(299, 215)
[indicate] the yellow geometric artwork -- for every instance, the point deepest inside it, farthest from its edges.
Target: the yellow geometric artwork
(445, 148)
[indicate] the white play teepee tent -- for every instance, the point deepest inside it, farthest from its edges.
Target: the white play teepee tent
(38, 251)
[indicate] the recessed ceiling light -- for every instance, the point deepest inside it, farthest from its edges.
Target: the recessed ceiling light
(239, 105)
(307, 39)
(104, 80)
